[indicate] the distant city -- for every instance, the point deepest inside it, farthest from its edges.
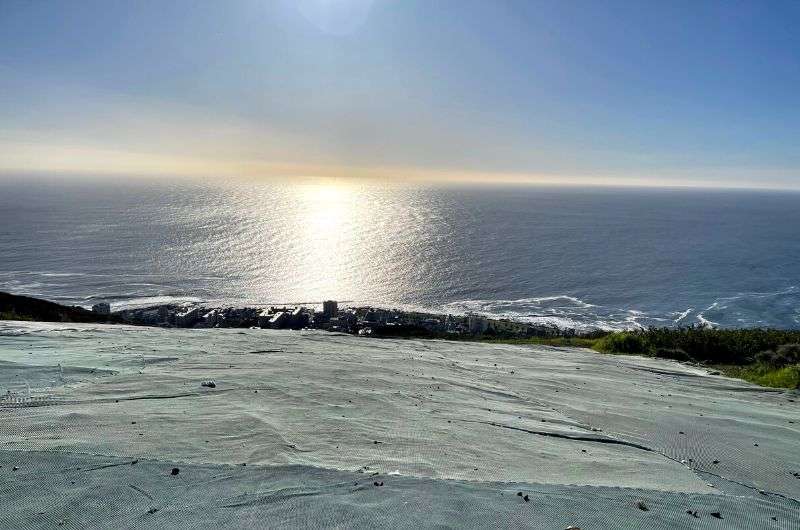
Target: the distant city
(330, 317)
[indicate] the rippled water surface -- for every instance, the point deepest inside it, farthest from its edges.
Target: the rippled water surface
(574, 257)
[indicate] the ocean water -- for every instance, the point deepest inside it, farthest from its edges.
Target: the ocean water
(584, 258)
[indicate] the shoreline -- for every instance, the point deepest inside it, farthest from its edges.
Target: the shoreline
(764, 356)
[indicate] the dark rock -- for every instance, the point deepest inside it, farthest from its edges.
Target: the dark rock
(642, 506)
(716, 514)
(175, 471)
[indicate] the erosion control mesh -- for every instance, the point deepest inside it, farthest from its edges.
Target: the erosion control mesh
(270, 428)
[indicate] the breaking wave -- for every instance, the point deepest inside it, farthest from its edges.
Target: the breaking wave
(779, 309)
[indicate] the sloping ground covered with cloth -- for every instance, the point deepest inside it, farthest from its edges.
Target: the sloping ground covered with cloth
(112, 427)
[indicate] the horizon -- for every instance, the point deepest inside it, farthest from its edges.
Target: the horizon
(333, 182)
(678, 95)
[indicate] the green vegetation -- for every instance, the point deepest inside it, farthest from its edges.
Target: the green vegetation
(723, 346)
(11, 315)
(765, 375)
(768, 357)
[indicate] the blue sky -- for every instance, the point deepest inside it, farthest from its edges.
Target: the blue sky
(704, 93)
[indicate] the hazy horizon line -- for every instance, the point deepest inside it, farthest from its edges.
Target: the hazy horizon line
(392, 177)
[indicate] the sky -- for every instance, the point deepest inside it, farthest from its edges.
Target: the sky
(655, 93)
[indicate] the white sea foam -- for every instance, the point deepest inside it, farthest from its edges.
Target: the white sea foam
(684, 314)
(148, 301)
(563, 311)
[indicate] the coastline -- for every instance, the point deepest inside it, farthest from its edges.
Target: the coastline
(764, 356)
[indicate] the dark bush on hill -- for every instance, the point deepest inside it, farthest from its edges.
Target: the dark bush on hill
(785, 355)
(13, 307)
(675, 354)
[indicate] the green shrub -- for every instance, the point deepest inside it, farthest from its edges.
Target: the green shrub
(623, 342)
(789, 354)
(785, 355)
(720, 346)
(767, 375)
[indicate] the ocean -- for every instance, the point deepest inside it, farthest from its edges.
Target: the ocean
(583, 258)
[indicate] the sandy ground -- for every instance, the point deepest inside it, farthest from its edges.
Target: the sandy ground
(300, 426)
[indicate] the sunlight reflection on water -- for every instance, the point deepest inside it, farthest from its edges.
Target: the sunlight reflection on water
(601, 257)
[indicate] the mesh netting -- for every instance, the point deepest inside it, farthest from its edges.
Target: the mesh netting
(299, 427)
